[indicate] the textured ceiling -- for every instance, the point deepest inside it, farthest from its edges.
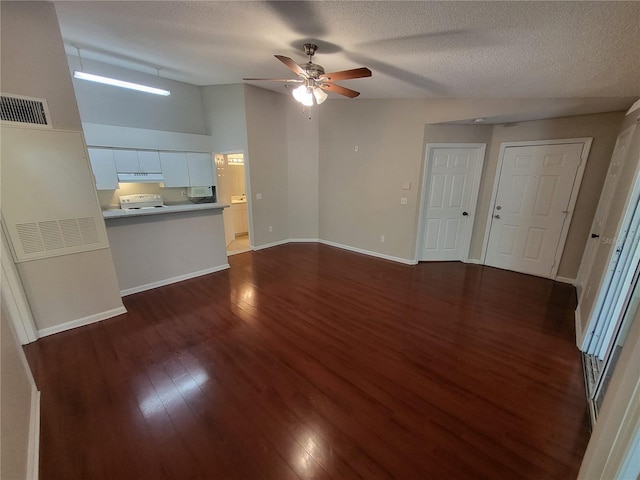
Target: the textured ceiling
(416, 49)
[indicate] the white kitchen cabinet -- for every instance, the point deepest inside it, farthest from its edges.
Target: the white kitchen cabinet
(137, 161)
(149, 161)
(126, 160)
(174, 169)
(240, 218)
(200, 169)
(104, 168)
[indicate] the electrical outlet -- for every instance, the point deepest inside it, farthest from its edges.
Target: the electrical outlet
(355, 148)
(270, 229)
(258, 196)
(403, 200)
(382, 238)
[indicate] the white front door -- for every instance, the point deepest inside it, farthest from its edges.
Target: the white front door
(531, 206)
(452, 182)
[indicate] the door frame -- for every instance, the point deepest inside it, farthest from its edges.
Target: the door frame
(475, 188)
(613, 276)
(13, 296)
(586, 264)
(575, 189)
(247, 187)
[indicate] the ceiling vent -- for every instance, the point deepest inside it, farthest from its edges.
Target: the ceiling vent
(24, 111)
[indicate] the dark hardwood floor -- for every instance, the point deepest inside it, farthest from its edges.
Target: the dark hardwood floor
(306, 361)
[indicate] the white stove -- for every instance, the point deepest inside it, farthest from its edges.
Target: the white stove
(141, 201)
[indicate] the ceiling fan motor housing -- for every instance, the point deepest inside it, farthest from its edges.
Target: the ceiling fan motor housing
(313, 69)
(310, 49)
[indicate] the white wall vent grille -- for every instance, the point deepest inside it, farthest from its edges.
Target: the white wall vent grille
(57, 234)
(19, 110)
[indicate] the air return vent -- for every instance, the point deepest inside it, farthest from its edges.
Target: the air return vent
(19, 110)
(59, 235)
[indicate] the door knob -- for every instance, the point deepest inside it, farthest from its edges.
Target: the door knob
(496, 216)
(498, 207)
(464, 214)
(595, 235)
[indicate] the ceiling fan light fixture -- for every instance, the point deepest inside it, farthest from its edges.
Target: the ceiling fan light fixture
(303, 95)
(320, 95)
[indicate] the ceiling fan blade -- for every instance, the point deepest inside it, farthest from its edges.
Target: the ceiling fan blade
(297, 69)
(332, 87)
(347, 74)
(292, 80)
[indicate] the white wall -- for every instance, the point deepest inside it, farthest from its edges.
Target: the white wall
(33, 60)
(72, 287)
(266, 114)
(619, 417)
(184, 245)
(225, 121)
(17, 389)
(303, 144)
(610, 228)
(360, 191)
(604, 130)
(225, 117)
(107, 105)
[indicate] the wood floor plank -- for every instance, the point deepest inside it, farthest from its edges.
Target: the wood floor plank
(309, 362)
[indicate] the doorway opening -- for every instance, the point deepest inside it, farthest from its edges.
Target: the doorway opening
(232, 183)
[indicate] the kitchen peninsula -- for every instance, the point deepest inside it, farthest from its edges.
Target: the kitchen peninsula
(179, 239)
(159, 246)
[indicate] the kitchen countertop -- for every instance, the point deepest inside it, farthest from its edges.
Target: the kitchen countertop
(174, 208)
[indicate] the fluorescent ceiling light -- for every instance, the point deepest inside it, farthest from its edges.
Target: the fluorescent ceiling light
(119, 83)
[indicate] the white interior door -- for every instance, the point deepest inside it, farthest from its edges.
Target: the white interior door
(532, 206)
(452, 181)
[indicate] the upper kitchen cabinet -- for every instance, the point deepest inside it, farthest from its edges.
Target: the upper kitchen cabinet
(200, 169)
(149, 161)
(104, 168)
(137, 161)
(174, 169)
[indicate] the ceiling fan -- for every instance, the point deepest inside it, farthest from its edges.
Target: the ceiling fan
(314, 80)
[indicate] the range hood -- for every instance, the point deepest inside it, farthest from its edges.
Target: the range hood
(140, 177)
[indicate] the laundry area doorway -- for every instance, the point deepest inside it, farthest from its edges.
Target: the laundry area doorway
(232, 182)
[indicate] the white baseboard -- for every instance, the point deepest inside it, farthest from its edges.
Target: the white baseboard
(304, 240)
(96, 317)
(33, 454)
(269, 245)
(169, 281)
(337, 245)
(473, 261)
(571, 281)
(236, 252)
(368, 252)
(578, 320)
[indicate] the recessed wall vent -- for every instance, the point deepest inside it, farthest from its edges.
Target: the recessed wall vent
(59, 235)
(24, 111)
